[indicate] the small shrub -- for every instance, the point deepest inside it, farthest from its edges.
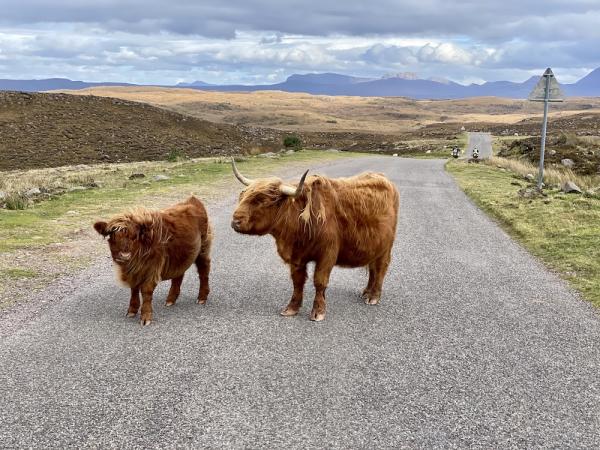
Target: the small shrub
(175, 155)
(16, 201)
(293, 142)
(331, 121)
(567, 139)
(82, 180)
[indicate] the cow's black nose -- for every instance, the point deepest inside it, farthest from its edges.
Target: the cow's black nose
(235, 224)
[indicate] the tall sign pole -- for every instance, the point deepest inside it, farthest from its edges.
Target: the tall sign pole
(544, 126)
(547, 90)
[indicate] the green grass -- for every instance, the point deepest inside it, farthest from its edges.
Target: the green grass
(17, 273)
(563, 230)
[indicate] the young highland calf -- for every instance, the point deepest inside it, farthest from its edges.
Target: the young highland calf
(150, 246)
(348, 222)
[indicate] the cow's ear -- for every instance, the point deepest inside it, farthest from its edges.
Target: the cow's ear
(100, 227)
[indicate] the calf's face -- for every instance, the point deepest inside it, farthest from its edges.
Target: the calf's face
(122, 239)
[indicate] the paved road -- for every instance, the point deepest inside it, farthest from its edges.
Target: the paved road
(474, 345)
(483, 141)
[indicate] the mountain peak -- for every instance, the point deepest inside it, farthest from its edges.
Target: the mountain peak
(192, 84)
(401, 75)
(324, 78)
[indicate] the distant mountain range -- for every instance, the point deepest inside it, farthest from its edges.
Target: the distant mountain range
(395, 85)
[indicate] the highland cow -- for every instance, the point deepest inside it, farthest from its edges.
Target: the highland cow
(150, 246)
(348, 222)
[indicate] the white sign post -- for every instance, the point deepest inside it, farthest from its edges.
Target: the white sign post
(547, 90)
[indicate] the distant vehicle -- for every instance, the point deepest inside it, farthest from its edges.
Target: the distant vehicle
(475, 153)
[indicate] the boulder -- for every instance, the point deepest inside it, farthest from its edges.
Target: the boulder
(76, 189)
(567, 162)
(570, 187)
(160, 177)
(395, 154)
(133, 176)
(32, 191)
(268, 155)
(530, 192)
(530, 177)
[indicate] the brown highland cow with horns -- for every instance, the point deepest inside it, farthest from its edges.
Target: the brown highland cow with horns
(348, 222)
(150, 246)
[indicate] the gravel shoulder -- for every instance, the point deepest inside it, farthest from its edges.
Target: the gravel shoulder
(475, 344)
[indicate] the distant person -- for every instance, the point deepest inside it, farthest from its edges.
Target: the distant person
(475, 153)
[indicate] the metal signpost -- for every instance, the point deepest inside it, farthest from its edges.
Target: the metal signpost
(547, 90)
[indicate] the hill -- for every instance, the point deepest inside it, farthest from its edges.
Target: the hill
(299, 112)
(412, 87)
(398, 85)
(47, 130)
(50, 84)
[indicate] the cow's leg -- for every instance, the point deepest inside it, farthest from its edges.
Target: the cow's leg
(134, 302)
(367, 291)
(298, 273)
(147, 291)
(203, 265)
(321, 280)
(381, 265)
(174, 291)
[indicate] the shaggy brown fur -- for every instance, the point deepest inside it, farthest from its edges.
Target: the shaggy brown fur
(349, 222)
(150, 246)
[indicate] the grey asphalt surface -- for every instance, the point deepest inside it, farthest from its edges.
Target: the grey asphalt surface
(483, 141)
(474, 344)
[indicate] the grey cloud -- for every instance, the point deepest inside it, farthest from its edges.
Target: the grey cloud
(382, 54)
(495, 20)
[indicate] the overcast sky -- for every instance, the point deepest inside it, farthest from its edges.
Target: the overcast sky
(264, 41)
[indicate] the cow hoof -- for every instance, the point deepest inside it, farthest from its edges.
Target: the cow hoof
(317, 317)
(146, 322)
(288, 312)
(201, 301)
(372, 301)
(169, 303)
(131, 314)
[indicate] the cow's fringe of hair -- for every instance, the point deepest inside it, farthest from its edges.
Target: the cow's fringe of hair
(148, 256)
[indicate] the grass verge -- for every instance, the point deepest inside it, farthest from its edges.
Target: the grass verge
(51, 220)
(563, 230)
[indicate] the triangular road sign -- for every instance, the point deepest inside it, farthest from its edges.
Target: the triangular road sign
(539, 91)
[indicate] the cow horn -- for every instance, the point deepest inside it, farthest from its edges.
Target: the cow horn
(288, 190)
(238, 175)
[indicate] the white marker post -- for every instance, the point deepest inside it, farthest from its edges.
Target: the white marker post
(547, 90)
